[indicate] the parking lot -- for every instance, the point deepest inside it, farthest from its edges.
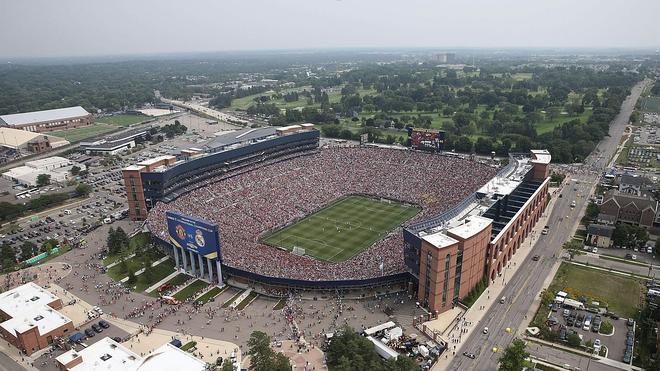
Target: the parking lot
(575, 321)
(47, 361)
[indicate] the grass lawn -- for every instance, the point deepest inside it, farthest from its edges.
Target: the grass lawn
(160, 271)
(246, 301)
(139, 240)
(179, 279)
(650, 104)
(190, 290)
(211, 294)
(123, 120)
(342, 229)
(231, 300)
(280, 304)
(78, 134)
(548, 125)
(135, 263)
(622, 294)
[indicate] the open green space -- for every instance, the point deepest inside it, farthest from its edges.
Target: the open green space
(548, 124)
(134, 264)
(179, 279)
(123, 120)
(137, 241)
(190, 290)
(82, 133)
(210, 295)
(158, 272)
(650, 104)
(334, 96)
(621, 294)
(280, 304)
(342, 229)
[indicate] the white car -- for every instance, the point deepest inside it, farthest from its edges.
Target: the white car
(597, 345)
(485, 330)
(97, 310)
(594, 250)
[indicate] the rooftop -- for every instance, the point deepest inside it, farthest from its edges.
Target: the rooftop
(43, 116)
(439, 239)
(154, 160)
(106, 354)
(16, 137)
(241, 136)
(44, 162)
(541, 156)
(27, 305)
(471, 226)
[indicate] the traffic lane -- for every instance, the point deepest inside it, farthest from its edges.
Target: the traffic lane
(595, 259)
(546, 245)
(561, 357)
(642, 257)
(9, 364)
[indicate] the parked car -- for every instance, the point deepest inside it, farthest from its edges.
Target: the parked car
(104, 324)
(90, 333)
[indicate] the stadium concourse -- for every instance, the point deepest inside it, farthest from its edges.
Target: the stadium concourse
(249, 204)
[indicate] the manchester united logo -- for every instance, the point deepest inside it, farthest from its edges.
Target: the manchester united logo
(180, 232)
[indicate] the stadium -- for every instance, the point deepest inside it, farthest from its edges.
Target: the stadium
(291, 214)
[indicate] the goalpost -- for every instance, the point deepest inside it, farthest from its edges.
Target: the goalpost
(298, 251)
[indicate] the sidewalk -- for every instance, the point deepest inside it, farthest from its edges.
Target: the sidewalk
(118, 261)
(492, 294)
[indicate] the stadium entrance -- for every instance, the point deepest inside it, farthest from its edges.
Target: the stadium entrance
(196, 246)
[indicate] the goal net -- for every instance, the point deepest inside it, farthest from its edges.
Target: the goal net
(298, 251)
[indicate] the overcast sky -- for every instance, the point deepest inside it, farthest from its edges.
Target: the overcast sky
(55, 28)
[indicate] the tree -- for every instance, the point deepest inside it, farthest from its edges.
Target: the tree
(227, 366)
(75, 170)
(83, 189)
(262, 357)
(7, 257)
(352, 349)
(43, 180)
(573, 340)
(131, 277)
(28, 250)
(463, 144)
(514, 356)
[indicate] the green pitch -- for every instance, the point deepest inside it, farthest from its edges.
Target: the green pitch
(343, 229)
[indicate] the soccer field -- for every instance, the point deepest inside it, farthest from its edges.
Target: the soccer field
(343, 229)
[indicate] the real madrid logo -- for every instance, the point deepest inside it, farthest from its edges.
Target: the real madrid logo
(180, 232)
(199, 238)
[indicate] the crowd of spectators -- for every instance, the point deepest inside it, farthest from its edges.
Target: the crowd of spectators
(251, 203)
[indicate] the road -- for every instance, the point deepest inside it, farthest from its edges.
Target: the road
(597, 260)
(8, 364)
(528, 281)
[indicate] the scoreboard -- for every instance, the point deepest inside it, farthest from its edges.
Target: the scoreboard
(426, 139)
(193, 234)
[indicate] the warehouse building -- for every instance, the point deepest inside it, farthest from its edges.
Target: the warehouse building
(107, 354)
(25, 141)
(57, 167)
(49, 120)
(30, 320)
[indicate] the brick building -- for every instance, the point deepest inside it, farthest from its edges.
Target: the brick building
(49, 120)
(476, 239)
(631, 209)
(30, 320)
(137, 207)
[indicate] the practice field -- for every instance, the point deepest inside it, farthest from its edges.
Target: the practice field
(344, 228)
(82, 133)
(123, 120)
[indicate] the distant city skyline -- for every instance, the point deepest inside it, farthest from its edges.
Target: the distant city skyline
(41, 28)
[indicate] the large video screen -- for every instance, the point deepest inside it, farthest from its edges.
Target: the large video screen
(428, 140)
(194, 234)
